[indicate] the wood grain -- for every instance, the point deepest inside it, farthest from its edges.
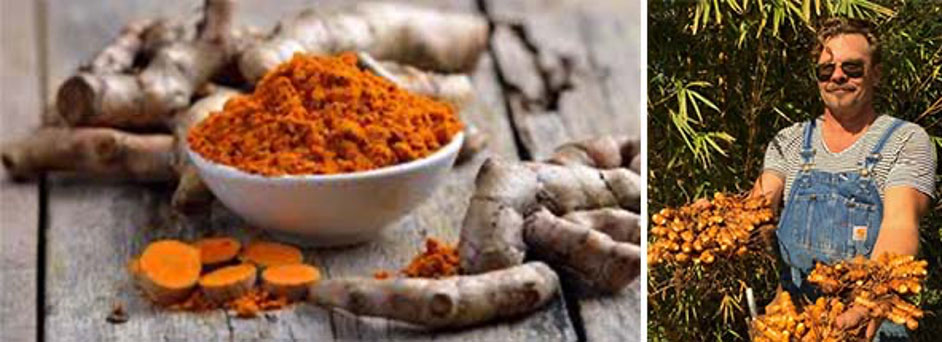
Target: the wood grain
(571, 70)
(20, 104)
(567, 69)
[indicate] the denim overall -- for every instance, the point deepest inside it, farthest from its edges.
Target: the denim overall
(830, 217)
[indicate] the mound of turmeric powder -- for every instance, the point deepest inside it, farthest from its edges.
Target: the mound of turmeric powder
(323, 115)
(439, 260)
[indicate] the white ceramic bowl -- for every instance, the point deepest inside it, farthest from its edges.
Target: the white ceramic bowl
(329, 210)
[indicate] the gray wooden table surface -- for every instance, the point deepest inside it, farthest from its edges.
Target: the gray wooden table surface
(556, 70)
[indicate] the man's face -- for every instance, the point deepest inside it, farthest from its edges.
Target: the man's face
(847, 58)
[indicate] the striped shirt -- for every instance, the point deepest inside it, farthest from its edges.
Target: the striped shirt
(908, 158)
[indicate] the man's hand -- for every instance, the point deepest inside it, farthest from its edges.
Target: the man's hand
(702, 204)
(769, 184)
(854, 317)
(772, 186)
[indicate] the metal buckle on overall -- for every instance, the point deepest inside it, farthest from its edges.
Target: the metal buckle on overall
(870, 162)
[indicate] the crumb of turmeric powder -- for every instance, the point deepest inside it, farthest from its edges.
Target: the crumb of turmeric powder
(250, 304)
(246, 306)
(323, 115)
(196, 302)
(382, 274)
(439, 260)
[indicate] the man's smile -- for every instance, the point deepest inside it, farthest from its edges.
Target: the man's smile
(844, 89)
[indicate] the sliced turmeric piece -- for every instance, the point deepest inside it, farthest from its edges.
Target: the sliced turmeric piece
(229, 282)
(290, 281)
(167, 270)
(218, 250)
(267, 254)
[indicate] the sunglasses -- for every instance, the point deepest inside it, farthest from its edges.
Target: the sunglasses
(853, 69)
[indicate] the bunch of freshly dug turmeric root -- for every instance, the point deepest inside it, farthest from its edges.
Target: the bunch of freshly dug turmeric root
(125, 113)
(883, 285)
(575, 212)
(728, 226)
(782, 322)
(218, 272)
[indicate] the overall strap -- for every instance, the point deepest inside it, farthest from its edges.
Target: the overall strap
(871, 161)
(807, 153)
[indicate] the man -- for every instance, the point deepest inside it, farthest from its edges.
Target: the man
(854, 182)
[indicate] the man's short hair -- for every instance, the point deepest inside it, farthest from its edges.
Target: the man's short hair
(837, 26)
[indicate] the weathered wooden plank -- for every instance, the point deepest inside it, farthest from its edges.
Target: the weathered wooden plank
(94, 228)
(572, 70)
(19, 214)
(561, 80)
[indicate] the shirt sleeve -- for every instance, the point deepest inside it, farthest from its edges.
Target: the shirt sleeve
(784, 144)
(916, 164)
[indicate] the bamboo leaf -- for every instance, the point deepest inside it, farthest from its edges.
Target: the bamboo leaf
(716, 11)
(704, 100)
(806, 11)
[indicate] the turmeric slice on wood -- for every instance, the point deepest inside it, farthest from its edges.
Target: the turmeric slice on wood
(229, 282)
(167, 270)
(290, 281)
(267, 254)
(218, 250)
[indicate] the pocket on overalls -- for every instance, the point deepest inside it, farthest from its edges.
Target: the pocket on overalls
(864, 229)
(793, 233)
(831, 232)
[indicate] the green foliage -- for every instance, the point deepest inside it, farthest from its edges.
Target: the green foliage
(692, 303)
(726, 75)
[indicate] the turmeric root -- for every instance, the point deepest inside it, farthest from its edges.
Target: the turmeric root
(491, 235)
(291, 281)
(730, 225)
(168, 270)
(443, 303)
(576, 187)
(219, 250)
(782, 321)
(455, 89)
(883, 285)
(605, 152)
(428, 39)
(166, 85)
(492, 231)
(228, 283)
(119, 55)
(595, 259)
(94, 151)
(619, 224)
(268, 254)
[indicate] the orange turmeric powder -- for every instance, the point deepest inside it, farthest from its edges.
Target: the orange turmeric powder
(439, 260)
(323, 115)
